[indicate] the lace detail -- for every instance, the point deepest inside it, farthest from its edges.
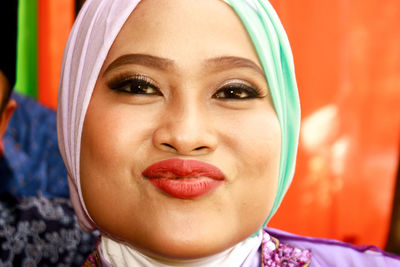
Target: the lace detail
(39, 231)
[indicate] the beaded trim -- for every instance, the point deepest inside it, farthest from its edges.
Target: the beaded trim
(276, 254)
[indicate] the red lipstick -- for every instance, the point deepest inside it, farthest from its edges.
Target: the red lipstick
(182, 178)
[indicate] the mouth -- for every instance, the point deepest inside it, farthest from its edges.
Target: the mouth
(186, 179)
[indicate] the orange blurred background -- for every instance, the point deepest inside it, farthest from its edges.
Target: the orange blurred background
(55, 19)
(347, 58)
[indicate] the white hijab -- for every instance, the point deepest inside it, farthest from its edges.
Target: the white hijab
(94, 31)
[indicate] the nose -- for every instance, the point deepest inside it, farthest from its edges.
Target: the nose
(185, 130)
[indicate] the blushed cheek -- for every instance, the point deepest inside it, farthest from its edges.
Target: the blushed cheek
(261, 144)
(106, 134)
(263, 158)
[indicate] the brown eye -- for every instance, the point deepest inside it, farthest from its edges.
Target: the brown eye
(134, 85)
(237, 92)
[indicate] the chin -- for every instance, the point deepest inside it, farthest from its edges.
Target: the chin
(184, 249)
(195, 244)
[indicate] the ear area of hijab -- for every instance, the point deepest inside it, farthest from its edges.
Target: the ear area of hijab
(272, 45)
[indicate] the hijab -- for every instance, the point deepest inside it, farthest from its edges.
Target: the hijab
(93, 33)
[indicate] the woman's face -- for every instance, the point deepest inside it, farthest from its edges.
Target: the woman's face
(181, 82)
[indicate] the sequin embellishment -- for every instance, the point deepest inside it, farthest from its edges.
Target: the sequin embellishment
(276, 254)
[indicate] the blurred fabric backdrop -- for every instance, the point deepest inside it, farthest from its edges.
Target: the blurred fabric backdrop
(347, 58)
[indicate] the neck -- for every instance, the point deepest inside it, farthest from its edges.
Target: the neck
(119, 254)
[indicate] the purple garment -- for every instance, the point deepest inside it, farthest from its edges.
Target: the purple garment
(325, 253)
(328, 252)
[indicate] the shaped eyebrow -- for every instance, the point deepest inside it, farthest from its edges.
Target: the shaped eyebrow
(165, 64)
(229, 62)
(141, 59)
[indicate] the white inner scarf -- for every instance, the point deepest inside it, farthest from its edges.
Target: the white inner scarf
(118, 254)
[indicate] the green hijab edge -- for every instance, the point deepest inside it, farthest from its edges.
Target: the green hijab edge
(272, 45)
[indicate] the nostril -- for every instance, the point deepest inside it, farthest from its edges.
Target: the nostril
(168, 145)
(200, 148)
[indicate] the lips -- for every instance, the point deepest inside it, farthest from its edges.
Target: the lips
(184, 179)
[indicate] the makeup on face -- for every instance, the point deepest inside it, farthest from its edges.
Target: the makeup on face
(180, 143)
(182, 178)
(120, 77)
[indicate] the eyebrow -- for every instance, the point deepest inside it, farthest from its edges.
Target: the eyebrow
(141, 59)
(229, 62)
(164, 64)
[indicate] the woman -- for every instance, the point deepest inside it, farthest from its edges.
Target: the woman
(178, 122)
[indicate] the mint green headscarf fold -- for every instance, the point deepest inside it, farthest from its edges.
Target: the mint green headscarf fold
(274, 52)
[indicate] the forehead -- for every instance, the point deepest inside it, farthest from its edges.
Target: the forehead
(183, 30)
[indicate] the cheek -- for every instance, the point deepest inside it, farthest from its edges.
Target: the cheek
(112, 140)
(111, 149)
(255, 139)
(256, 145)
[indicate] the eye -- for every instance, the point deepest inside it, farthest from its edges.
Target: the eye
(237, 91)
(134, 84)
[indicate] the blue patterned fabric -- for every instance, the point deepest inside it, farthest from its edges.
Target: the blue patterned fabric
(39, 231)
(31, 162)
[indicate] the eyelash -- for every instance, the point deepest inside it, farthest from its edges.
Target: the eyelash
(238, 91)
(134, 84)
(142, 85)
